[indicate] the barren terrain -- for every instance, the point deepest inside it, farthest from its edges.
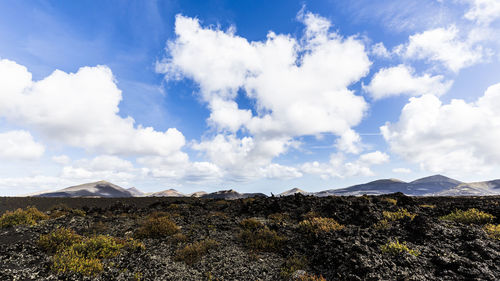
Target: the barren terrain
(390, 237)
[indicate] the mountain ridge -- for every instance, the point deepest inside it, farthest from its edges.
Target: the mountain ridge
(435, 185)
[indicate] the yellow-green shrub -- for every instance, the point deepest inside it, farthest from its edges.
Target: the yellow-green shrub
(390, 200)
(61, 238)
(279, 218)
(398, 215)
(318, 225)
(72, 261)
(470, 216)
(192, 253)
(29, 216)
(396, 248)
(493, 231)
(156, 227)
(251, 223)
(84, 255)
(382, 224)
(262, 239)
(292, 264)
(427, 206)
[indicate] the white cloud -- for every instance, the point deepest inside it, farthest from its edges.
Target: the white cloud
(23, 185)
(374, 158)
(380, 50)
(453, 138)
(443, 45)
(61, 159)
(180, 169)
(105, 167)
(277, 171)
(337, 167)
(401, 79)
(79, 109)
(243, 158)
(300, 87)
(19, 145)
(483, 11)
(401, 170)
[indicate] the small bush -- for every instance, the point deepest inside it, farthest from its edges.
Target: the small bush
(311, 214)
(262, 239)
(179, 238)
(29, 216)
(61, 238)
(470, 216)
(396, 248)
(156, 227)
(84, 255)
(279, 218)
(193, 253)
(427, 206)
(382, 224)
(251, 224)
(72, 261)
(317, 225)
(292, 264)
(398, 215)
(493, 231)
(60, 210)
(390, 201)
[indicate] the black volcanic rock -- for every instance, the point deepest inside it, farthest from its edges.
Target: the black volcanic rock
(94, 189)
(448, 250)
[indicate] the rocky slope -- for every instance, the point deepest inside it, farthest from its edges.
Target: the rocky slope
(95, 189)
(446, 250)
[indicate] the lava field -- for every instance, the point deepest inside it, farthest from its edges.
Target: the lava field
(390, 237)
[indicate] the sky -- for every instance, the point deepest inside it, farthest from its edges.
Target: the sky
(257, 96)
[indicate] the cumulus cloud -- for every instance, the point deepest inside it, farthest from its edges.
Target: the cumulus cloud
(19, 145)
(483, 11)
(180, 169)
(401, 170)
(380, 50)
(445, 46)
(105, 167)
(401, 79)
(79, 109)
(298, 86)
(427, 133)
(61, 159)
(338, 167)
(244, 158)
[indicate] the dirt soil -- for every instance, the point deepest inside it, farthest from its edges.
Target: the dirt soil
(447, 250)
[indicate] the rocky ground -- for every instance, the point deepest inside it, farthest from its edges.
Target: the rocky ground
(352, 250)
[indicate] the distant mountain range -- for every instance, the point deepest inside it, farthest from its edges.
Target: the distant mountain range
(436, 185)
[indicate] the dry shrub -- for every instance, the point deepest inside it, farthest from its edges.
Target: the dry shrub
(250, 224)
(193, 253)
(397, 248)
(390, 201)
(318, 225)
(157, 227)
(398, 215)
(493, 231)
(292, 264)
(84, 255)
(60, 238)
(470, 216)
(29, 216)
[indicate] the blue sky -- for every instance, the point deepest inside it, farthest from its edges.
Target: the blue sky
(251, 95)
